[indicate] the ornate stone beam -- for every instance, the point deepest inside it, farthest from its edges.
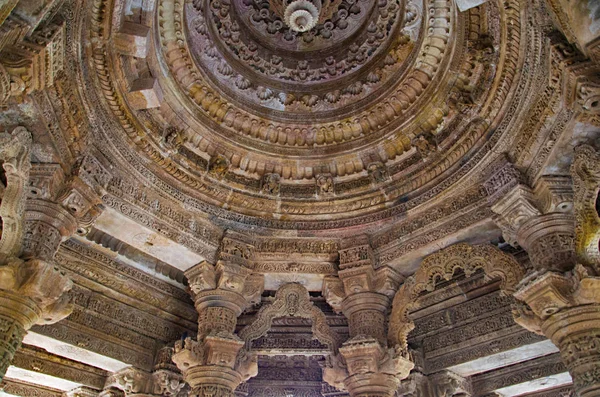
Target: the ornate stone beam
(38, 360)
(526, 371)
(442, 266)
(26, 389)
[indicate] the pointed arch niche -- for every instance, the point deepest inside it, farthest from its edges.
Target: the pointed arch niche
(442, 266)
(291, 300)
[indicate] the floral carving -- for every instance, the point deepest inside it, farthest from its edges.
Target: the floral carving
(291, 300)
(443, 266)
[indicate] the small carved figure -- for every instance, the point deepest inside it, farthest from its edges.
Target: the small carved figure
(271, 184)
(378, 172)
(218, 166)
(325, 184)
(424, 147)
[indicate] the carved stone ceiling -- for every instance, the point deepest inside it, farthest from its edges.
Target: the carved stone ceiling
(374, 106)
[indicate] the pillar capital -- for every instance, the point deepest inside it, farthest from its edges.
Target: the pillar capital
(370, 369)
(134, 382)
(566, 308)
(540, 220)
(215, 363)
(31, 292)
(449, 384)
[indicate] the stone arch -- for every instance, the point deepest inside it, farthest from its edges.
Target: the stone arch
(14, 157)
(291, 300)
(586, 188)
(442, 265)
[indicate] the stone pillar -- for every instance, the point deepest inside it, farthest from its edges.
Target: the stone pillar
(32, 289)
(566, 308)
(558, 298)
(364, 295)
(214, 363)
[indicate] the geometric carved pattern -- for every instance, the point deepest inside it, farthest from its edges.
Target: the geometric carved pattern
(442, 265)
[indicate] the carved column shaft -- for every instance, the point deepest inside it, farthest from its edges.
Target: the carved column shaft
(214, 364)
(576, 332)
(16, 316)
(366, 315)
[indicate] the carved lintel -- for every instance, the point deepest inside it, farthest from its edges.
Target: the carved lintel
(442, 266)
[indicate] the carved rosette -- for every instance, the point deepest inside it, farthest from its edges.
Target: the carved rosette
(31, 292)
(566, 308)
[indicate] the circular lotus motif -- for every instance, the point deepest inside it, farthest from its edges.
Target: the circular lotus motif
(301, 15)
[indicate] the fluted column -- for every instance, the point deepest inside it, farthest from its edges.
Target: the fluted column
(364, 294)
(213, 364)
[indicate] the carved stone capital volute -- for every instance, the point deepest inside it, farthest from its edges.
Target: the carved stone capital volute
(222, 285)
(373, 369)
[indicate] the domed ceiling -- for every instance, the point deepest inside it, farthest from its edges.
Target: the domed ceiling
(377, 108)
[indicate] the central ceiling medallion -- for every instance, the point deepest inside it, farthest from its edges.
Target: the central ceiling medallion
(302, 15)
